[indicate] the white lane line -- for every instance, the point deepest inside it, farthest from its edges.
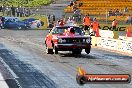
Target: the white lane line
(3, 84)
(8, 68)
(11, 72)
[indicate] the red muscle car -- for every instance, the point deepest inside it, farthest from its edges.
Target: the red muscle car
(67, 38)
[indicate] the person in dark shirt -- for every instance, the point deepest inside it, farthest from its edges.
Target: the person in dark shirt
(71, 3)
(18, 11)
(53, 17)
(3, 10)
(0, 8)
(13, 10)
(2, 21)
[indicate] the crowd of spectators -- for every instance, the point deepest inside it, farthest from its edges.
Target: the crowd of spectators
(115, 12)
(76, 12)
(15, 11)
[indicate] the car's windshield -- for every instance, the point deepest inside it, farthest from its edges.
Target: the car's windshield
(61, 30)
(12, 20)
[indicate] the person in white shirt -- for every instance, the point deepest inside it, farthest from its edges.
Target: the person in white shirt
(70, 22)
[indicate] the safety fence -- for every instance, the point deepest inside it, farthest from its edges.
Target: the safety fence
(124, 45)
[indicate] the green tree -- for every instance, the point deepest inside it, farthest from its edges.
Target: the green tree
(30, 3)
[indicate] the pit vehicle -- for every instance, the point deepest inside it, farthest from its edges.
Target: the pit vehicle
(14, 23)
(67, 38)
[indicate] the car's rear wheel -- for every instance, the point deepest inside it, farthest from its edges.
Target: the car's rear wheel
(49, 51)
(76, 51)
(19, 28)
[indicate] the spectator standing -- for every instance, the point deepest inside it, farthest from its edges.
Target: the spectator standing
(57, 23)
(53, 18)
(76, 14)
(3, 10)
(71, 3)
(95, 26)
(29, 12)
(117, 13)
(131, 19)
(17, 11)
(125, 9)
(0, 22)
(128, 19)
(61, 23)
(79, 18)
(113, 12)
(25, 11)
(3, 21)
(21, 11)
(49, 16)
(13, 10)
(114, 24)
(86, 22)
(8, 10)
(80, 3)
(70, 22)
(110, 12)
(0, 8)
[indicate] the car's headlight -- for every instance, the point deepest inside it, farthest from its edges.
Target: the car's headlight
(88, 40)
(61, 40)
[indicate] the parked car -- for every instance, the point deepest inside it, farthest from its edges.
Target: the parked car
(29, 20)
(10, 24)
(67, 38)
(33, 23)
(14, 23)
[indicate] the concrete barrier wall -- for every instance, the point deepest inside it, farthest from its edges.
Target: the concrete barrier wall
(113, 44)
(109, 34)
(106, 33)
(125, 46)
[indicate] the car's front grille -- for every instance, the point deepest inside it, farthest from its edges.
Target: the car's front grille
(74, 40)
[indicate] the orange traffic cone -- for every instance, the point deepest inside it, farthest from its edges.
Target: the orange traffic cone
(128, 34)
(97, 32)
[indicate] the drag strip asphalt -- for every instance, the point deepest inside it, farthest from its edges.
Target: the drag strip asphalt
(25, 54)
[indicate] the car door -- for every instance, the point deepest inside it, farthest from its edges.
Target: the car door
(11, 24)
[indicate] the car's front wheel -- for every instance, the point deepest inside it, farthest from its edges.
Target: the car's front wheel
(55, 50)
(87, 51)
(19, 28)
(49, 51)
